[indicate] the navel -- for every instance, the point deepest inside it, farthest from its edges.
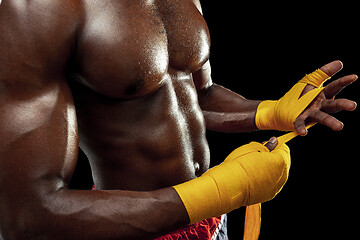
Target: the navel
(197, 168)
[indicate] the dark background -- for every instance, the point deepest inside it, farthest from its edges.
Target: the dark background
(260, 51)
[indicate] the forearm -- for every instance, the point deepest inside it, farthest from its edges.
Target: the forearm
(69, 214)
(226, 111)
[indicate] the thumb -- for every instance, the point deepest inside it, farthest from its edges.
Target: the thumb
(272, 143)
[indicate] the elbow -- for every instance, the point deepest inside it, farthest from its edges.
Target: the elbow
(23, 225)
(18, 227)
(26, 217)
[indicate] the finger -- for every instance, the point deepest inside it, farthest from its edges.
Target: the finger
(331, 68)
(327, 120)
(335, 87)
(272, 143)
(300, 126)
(334, 106)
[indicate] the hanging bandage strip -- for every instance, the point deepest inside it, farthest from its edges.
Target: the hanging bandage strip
(252, 222)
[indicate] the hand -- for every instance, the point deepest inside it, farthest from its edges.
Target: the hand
(318, 111)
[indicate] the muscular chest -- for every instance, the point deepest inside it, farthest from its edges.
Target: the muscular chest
(126, 47)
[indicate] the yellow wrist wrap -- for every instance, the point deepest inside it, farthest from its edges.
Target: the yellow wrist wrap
(281, 114)
(250, 174)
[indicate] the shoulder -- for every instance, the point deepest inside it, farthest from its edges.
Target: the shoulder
(40, 31)
(40, 7)
(40, 12)
(39, 15)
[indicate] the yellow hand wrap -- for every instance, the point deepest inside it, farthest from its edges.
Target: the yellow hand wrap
(250, 174)
(281, 114)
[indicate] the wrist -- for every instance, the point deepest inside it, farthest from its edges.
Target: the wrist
(265, 115)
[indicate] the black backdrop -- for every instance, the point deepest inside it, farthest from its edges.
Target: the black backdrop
(260, 50)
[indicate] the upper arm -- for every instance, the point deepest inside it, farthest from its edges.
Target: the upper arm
(202, 77)
(38, 135)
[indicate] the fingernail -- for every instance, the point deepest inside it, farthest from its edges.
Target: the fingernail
(272, 140)
(355, 106)
(303, 132)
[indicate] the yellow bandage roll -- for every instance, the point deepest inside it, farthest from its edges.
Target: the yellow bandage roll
(250, 174)
(281, 114)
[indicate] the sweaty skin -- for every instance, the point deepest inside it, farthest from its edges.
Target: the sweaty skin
(130, 82)
(144, 128)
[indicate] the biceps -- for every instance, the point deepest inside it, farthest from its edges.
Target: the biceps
(38, 138)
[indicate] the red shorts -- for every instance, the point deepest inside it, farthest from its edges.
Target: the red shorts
(209, 229)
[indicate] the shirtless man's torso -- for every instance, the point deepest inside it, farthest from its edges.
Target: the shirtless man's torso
(139, 119)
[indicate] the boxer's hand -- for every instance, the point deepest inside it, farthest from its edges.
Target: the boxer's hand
(249, 175)
(324, 104)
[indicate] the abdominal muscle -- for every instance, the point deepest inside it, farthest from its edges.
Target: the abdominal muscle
(146, 143)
